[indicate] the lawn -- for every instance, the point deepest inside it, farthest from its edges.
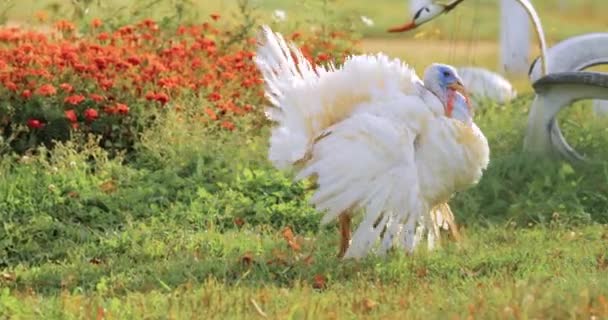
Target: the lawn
(170, 210)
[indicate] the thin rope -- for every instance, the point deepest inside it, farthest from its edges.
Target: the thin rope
(453, 46)
(475, 34)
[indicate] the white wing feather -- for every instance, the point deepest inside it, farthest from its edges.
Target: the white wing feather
(306, 101)
(368, 162)
(485, 84)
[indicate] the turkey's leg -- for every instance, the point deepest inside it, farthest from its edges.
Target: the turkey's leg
(345, 220)
(449, 217)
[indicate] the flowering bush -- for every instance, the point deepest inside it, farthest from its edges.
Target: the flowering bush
(112, 81)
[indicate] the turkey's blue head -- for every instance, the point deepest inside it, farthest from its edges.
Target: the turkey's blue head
(446, 84)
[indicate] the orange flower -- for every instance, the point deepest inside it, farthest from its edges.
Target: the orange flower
(228, 125)
(163, 98)
(211, 113)
(110, 110)
(42, 16)
(122, 108)
(74, 99)
(214, 96)
(71, 115)
(96, 97)
(64, 25)
(215, 16)
(46, 90)
(134, 60)
(103, 36)
(10, 86)
(96, 23)
(26, 94)
(66, 87)
(90, 114)
(323, 57)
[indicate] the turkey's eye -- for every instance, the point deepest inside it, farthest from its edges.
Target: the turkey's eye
(446, 73)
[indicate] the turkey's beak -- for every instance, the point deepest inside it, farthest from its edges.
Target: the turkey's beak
(458, 86)
(405, 27)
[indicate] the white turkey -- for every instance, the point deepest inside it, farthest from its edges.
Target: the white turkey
(485, 84)
(377, 140)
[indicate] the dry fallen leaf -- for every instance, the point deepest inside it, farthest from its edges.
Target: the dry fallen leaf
(108, 186)
(239, 222)
(8, 277)
(73, 194)
(288, 234)
(603, 302)
(602, 262)
(319, 282)
(294, 245)
(247, 258)
(422, 272)
(368, 304)
(309, 260)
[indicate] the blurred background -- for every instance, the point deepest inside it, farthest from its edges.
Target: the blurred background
(466, 36)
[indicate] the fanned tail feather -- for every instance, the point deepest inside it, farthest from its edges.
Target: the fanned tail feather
(307, 99)
(284, 68)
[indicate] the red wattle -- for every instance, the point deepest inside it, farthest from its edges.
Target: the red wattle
(450, 103)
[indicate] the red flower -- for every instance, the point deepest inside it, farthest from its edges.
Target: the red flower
(46, 90)
(110, 110)
(35, 123)
(63, 25)
(214, 96)
(26, 94)
(11, 86)
(106, 84)
(322, 57)
(215, 16)
(162, 98)
(90, 114)
(74, 100)
(211, 113)
(228, 125)
(71, 115)
(122, 108)
(66, 87)
(134, 60)
(96, 97)
(150, 96)
(103, 36)
(96, 23)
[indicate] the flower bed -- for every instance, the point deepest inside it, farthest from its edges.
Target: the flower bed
(110, 82)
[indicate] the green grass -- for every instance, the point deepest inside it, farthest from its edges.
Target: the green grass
(164, 271)
(163, 241)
